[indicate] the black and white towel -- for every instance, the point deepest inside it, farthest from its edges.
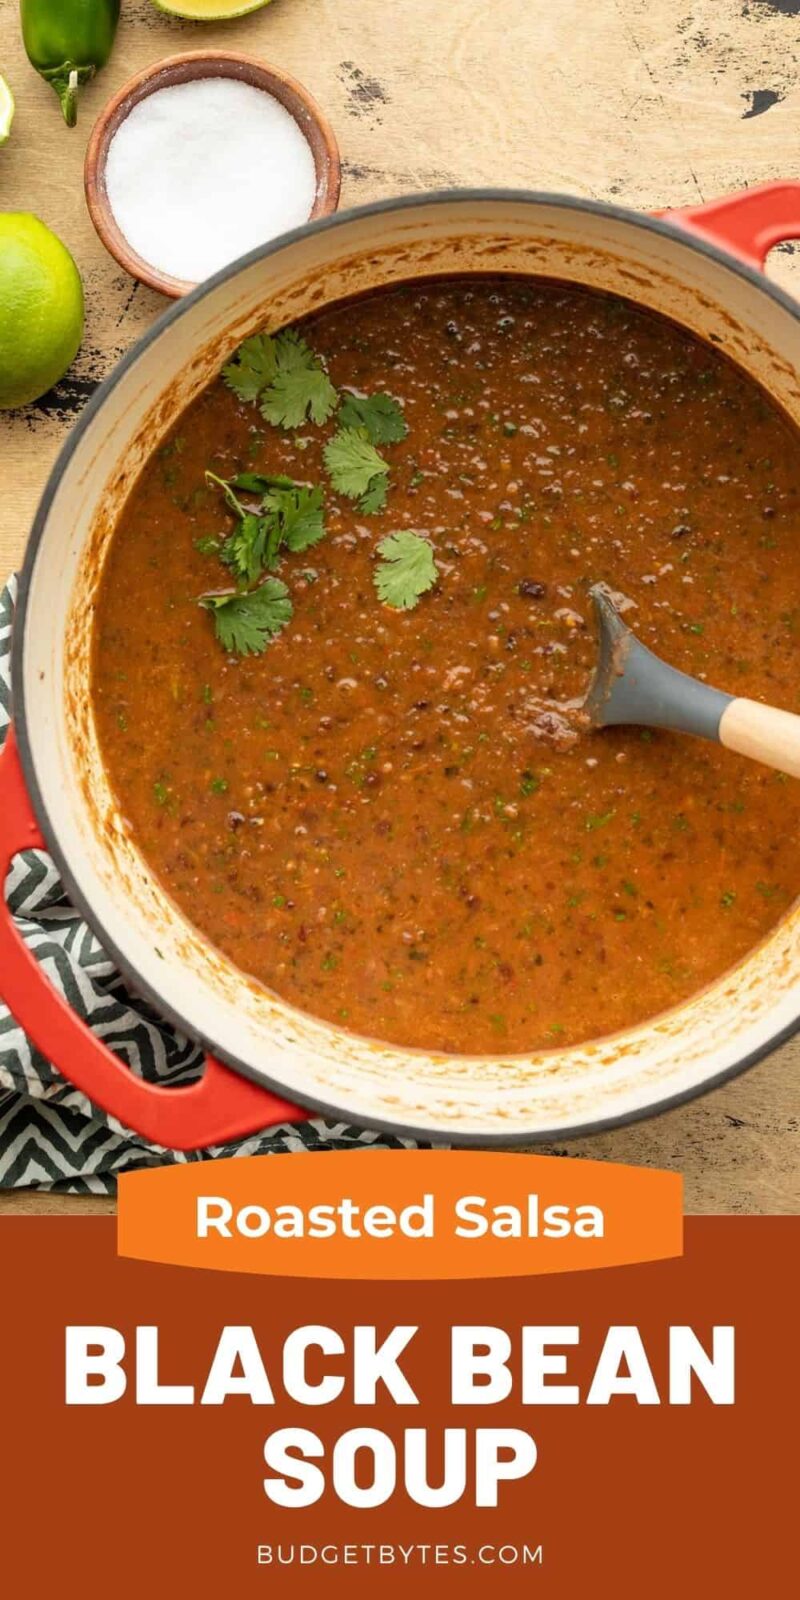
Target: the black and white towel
(51, 1136)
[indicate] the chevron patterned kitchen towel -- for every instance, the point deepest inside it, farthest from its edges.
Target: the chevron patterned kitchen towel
(51, 1136)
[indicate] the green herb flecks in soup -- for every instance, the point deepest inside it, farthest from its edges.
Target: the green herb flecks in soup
(341, 625)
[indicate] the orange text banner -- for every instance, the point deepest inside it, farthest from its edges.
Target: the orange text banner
(401, 1214)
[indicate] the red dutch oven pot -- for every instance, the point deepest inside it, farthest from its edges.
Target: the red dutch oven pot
(267, 1063)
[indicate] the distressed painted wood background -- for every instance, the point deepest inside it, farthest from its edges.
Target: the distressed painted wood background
(649, 102)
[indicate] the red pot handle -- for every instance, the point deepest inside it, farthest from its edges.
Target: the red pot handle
(748, 223)
(222, 1105)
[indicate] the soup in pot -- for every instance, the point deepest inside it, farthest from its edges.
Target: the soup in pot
(343, 627)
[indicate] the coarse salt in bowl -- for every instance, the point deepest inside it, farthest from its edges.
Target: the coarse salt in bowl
(200, 160)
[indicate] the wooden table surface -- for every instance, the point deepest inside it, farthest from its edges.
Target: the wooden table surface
(646, 102)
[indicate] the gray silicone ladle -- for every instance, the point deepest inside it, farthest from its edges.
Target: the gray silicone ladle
(632, 685)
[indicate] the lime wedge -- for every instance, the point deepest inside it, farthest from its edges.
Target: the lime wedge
(6, 109)
(209, 10)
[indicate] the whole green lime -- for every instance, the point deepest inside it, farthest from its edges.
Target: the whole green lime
(41, 309)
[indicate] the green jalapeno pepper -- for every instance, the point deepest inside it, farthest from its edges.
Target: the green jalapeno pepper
(68, 41)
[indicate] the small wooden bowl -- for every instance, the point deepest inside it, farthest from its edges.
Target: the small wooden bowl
(180, 69)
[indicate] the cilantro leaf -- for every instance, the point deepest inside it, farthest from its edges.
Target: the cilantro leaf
(244, 552)
(259, 483)
(290, 379)
(300, 516)
(406, 570)
(353, 462)
(252, 368)
(374, 498)
(300, 386)
(291, 515)
(245, 623)
(378, 414)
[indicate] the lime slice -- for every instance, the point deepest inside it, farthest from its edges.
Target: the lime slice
(209, 10)
(6, 109)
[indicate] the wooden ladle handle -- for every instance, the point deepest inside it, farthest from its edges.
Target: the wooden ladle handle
(763, 733)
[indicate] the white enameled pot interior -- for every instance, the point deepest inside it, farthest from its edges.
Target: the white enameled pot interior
(456, 1097)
